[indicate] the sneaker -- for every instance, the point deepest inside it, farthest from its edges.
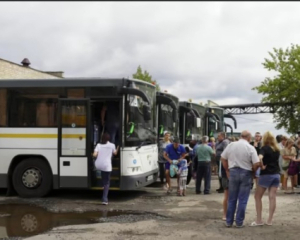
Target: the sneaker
(239, 226)
(104, 203)
(228, 226)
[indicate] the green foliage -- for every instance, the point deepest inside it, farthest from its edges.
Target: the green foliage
(145, 76)
(282, 88)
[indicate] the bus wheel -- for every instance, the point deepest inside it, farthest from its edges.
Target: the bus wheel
(162, 172)
(32, 178)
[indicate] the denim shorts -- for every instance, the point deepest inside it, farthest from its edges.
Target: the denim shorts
(270, 180)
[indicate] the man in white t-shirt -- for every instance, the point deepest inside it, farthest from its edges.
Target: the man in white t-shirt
(104, 152)
(239, 160)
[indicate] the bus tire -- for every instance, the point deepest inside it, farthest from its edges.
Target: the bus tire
(32, 178)
(161, 172)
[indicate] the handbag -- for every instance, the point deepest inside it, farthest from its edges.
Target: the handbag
(293, 168)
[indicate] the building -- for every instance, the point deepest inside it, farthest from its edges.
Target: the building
(10, 70)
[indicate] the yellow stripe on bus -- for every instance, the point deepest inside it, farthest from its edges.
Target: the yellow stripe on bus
(39, 135)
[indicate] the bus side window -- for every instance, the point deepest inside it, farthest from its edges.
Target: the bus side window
(3, 107)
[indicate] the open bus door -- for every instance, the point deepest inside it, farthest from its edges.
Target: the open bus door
(73, 143)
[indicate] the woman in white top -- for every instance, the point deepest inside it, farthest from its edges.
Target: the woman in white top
(104, 152)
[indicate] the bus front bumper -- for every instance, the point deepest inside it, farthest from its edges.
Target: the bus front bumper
(138, 181)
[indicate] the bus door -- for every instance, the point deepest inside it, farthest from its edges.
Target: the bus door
(73, 143)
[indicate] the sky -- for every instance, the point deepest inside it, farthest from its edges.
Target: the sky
(195, 50)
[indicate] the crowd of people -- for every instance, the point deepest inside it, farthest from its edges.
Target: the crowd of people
(266, 161)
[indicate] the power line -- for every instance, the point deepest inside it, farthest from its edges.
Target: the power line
(254, 120)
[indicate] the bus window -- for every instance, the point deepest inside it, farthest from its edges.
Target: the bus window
(33, 108)
(3, 107)
(76, 93)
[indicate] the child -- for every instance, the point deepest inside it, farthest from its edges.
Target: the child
(183, 173)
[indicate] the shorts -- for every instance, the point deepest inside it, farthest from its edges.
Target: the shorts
(270, 180)
(285, 173)
(182, 183)
(225, 183)
(167, 166)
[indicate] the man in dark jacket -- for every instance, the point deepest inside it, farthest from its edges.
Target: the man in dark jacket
(221, 144)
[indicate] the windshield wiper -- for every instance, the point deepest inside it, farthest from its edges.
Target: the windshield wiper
(149, 129)
(143, 144)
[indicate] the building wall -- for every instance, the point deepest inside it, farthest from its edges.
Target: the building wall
(9, 70)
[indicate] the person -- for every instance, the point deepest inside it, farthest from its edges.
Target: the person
(297, 147)
(204, 154)
(212, 142)
(269, 177)
(174, 151)
(188, 150)
(257, 145)
(282, 141)
(162, 147)
(182, 173)
(110, 111)
(239, 160)
(220, 146)
(288, 154)
(103, 152)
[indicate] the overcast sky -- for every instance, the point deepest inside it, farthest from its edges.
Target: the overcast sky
(197, 50)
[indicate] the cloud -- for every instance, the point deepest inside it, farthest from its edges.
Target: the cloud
(198, 50)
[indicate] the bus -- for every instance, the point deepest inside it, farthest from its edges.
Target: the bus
(167, 109)
(215, 121)
(49, 128)
(191, 122)
(226, 125)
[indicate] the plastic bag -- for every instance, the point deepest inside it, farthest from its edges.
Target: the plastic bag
(173, 170)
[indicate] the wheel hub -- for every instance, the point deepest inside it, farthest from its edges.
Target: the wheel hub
(29, 223)
(31, 178)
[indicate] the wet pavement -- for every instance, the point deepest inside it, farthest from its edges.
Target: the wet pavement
(24, 220)
(145, 214)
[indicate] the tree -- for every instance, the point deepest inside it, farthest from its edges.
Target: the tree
(145, 76)
(282, 89)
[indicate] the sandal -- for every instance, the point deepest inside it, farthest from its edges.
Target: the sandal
(254, 224)
(269, 224)
(224, 218)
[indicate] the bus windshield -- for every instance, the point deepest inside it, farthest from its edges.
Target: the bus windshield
(212, 131)
(137, 130)
(166, 122)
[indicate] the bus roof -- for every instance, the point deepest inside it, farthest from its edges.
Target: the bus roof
(168, 95)
(69, 82)
(186, 102)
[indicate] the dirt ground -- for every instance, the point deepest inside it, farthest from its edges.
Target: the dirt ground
(163, 216)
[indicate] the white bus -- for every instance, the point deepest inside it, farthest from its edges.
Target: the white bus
(49, 128)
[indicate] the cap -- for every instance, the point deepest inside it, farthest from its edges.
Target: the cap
(165, 132)
(176, 140)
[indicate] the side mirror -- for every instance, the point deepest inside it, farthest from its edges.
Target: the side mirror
(174, 115)
(146, 113)
(198, 122)
(216, 126)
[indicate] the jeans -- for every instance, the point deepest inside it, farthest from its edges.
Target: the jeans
(106, 181)
(113, 131)
(239, 189)
(203, 171)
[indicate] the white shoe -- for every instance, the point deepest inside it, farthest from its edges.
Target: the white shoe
(104, 203)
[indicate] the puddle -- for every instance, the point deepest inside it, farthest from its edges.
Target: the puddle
(22, 220)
